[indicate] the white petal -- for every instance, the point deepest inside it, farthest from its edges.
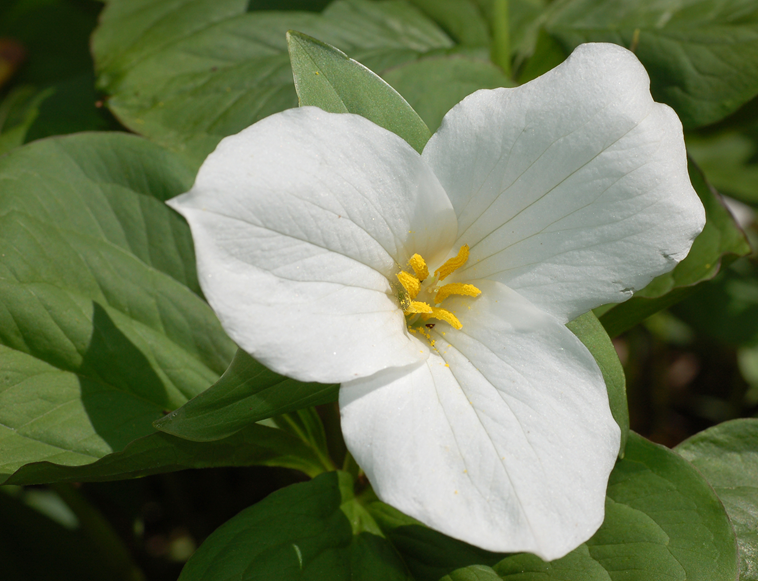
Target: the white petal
(573, 188)
(299, 221)
(509, 448)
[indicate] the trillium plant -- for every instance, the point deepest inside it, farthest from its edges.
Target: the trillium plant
(390, 301)
(435, 287)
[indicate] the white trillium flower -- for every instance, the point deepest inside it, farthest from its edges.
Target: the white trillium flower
(435, 287)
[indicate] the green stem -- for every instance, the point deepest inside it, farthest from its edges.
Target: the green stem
(100, 533)
(501, 36)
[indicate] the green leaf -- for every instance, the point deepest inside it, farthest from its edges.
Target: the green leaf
(727, 307)
(99, 330)
(729, 156)
(727, 456)
(591, 332)
(461, 19)
(310, 5)
(158, 453)
(720, 242)
(314, 530)
(663, 521)
(246, 393)
(187, 73)
(434, 85)
(579, 565)
(108, 187)
(18, 111)
(428, 554)
(327, 78)
(473, 573)
(728, 161)
(547, 55)
(702, 57)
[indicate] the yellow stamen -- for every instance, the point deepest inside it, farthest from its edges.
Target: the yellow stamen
(453, 264)
(410, 283)
(419, 266)
(444, 315)
(455, 288)
(419, 307)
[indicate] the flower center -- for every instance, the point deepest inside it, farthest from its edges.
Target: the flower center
(420, 294)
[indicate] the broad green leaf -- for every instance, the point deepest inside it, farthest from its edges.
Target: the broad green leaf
(702, 56)
(247, 392)
(719, 244)
(727, 307)
(310, 5)
(434, 85)
(547, 55)
(187, 73)
(473, 573)
(461, 19)
(729, 160)
(727, 456)
(591, 332)
(579, 565)
(109, 187)
(314, 530)
(99, 331)
(663, 521)
(158, 453)
(102, 330)
(18, 111)
(327, 78)
(428, 554)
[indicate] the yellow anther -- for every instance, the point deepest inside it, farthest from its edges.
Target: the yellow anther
(419, 266)
(418, 307)
(455, 288)
(444, 315)
(410, 283)
(453, 264)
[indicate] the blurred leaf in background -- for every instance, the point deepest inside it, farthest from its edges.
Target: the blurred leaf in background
(720, 242)
(702, 57)
(53, 90)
